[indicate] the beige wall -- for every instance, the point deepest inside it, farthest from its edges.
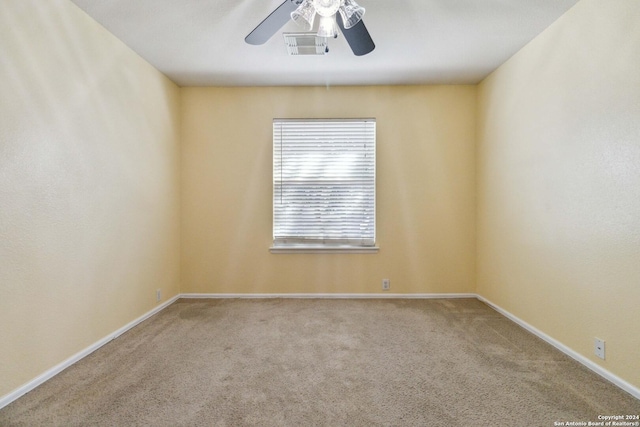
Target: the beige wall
(91, 177)
(89, 196)
(425, 191)
(559, 183)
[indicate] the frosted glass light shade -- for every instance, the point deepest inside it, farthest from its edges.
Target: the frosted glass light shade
(327, 8)
(351, 13)
(328, 26)
(305, 14)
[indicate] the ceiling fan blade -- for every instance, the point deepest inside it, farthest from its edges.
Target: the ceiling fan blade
(357, 36)
(272, 23)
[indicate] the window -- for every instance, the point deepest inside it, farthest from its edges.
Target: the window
(324, 185)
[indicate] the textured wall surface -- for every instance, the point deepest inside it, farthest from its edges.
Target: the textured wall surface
(89, 196)
(425, 190)
(94, 186)
(559, 183)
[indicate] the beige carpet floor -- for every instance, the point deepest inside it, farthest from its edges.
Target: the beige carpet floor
(282, 362)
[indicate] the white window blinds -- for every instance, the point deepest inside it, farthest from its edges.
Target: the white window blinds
(324, 182)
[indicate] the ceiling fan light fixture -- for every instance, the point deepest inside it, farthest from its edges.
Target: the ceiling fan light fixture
(327, 8)
(305, 14)
(351, 13)
(328, 27)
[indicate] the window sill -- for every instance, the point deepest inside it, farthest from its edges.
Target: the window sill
(316, 249)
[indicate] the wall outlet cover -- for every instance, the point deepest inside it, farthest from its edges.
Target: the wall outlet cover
(599, 348)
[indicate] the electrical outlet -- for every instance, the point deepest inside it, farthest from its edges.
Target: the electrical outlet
(158, 295)
(599, 348)
(386, 284)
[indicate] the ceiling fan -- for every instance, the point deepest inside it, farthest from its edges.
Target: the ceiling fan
(334, 14)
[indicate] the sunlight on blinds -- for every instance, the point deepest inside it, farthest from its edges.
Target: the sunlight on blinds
(324, 182)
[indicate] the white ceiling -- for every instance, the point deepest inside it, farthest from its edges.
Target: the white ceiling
(201, 42)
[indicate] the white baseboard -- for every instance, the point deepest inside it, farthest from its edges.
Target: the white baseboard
(624, 385)
(326, 296)
(7, 399)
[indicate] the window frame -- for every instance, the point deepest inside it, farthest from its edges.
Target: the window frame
(278, 247)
